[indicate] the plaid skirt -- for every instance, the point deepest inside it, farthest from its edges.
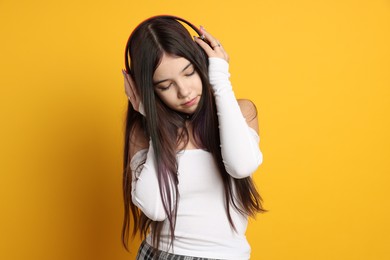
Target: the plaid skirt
(147, 252)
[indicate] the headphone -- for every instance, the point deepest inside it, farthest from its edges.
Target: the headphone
(196, 29)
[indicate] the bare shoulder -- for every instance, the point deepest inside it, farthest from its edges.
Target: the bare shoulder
(138, 139)
(249, 111)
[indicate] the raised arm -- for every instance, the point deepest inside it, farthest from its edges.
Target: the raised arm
(239, 142)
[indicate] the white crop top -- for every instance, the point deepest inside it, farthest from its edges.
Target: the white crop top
(202, 227)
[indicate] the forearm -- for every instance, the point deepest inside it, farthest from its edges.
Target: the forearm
(239, 145)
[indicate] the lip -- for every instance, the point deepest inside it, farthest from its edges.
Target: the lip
(191, 102)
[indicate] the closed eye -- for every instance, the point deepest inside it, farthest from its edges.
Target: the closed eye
(191, 73)
(163, 88)
(187, 71)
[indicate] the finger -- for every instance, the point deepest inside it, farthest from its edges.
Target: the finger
(130, 85)
(222, 50)
(217, 52)
(207, 48)
(133, 88)
(131, 91)
(209, 38)
(214, 44)
(127, 84)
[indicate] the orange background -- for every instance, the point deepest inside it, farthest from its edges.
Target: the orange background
(317, 70)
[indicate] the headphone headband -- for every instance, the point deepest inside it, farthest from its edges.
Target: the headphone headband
(196, 29)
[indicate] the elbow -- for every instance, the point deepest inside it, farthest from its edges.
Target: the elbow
(245, 168)
(158, 216)
(154, 211)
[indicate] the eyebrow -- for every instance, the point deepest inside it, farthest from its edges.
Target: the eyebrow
(160, 81)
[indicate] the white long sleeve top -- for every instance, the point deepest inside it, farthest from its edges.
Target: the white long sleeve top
(202, 227)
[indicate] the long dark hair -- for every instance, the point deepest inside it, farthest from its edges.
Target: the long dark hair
(146, 46)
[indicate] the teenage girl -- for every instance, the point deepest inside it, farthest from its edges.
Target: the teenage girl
(190, 146)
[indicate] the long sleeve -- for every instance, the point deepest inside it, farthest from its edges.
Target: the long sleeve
(145, 191)
(239, 143)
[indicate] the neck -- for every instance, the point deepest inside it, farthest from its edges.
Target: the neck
(185, 137)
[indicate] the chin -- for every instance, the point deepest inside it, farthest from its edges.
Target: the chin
(190, 111)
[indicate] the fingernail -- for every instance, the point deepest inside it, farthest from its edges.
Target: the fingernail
(202, 28)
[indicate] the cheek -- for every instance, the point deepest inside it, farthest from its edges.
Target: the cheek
(166, 98)
(198, 84)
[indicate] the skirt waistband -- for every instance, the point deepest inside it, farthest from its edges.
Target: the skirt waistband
(147, 252)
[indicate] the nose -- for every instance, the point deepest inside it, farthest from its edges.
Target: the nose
(183, 90)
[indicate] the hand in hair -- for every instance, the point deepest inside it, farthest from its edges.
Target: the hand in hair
(211, 45)
(132, 93)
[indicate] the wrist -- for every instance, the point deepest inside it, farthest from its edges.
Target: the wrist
(219, 73)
